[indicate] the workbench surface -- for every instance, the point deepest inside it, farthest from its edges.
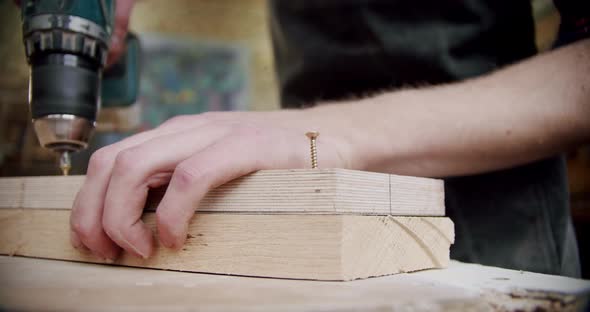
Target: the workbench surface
(38, 284)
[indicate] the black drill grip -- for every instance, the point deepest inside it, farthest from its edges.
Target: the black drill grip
(64, 84)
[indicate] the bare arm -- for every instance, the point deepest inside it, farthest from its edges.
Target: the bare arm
(519, 114)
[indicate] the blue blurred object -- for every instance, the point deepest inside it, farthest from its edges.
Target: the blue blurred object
(182, 76)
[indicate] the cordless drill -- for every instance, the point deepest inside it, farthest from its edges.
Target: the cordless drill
(66, 43)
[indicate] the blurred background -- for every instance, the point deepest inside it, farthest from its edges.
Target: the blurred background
(197, 56)
(200, 55)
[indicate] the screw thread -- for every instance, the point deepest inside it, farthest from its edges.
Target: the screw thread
(312, 135)
(314, 154)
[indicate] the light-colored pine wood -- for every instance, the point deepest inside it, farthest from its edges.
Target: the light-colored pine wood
(305, 224)
(323, 191)
(318, 247)
(369, 244)
(48, 285)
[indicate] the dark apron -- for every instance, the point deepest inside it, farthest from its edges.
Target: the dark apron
(334, 49)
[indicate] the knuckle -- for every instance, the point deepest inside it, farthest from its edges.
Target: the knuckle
(127, 161)
(211, 115)
(100, 160)
(185, 177)
(175, 121)
(184, 120)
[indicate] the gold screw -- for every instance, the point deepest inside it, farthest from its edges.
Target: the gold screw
(312, 135)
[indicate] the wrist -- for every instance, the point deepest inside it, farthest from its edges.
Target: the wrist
(346, 127)
(374, 133)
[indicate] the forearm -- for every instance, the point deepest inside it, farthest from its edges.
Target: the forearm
(516, 115)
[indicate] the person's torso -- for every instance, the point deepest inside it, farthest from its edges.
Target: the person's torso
(334, 49)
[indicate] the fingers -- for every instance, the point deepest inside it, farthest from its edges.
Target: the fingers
(194, 154)
(87, 211)
(134, 172)
(86, 228)
(117, 46)
(237, 154)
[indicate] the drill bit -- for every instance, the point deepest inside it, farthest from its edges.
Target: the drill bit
(65, 163)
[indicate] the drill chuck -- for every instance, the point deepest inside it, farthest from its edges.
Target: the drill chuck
(64, 99)
(66, 43)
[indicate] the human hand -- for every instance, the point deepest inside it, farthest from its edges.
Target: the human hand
(117, 46)
(194, 154)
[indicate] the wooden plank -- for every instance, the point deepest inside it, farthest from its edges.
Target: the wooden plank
(319, 247)
(370, 243)
(48, 285)
(323, 191)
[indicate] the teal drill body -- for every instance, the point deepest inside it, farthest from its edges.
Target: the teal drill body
(99, 12)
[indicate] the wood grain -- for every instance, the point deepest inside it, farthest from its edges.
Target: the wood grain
(318, 247)
(47, 285)
(323, 191)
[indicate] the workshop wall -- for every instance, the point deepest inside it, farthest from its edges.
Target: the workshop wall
(243, 23)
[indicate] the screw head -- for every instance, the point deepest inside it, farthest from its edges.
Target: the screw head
(312, 134)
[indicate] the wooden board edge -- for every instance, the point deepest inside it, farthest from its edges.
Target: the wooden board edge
(369, 199)
(278, 246)
(401, 244)
(312, 247)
